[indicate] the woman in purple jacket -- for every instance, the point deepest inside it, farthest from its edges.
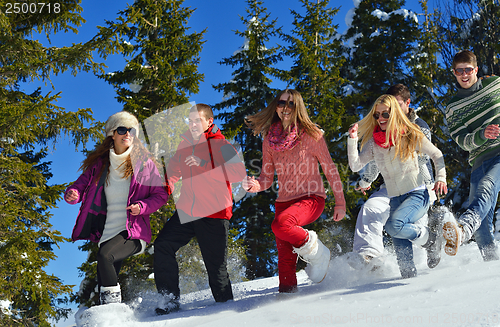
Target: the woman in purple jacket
(119, 188)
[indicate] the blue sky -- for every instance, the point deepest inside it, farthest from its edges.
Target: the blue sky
(220, 17)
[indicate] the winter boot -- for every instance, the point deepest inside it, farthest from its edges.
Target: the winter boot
(170, 303)
(454, 236)
(404, 256)
(489, 252)
(434, 242)
(110, 294)
(317, 255)
(172, 306)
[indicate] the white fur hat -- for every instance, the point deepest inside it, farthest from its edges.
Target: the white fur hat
(122, 118)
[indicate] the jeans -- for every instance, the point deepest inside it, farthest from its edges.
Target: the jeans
(406, 210)
(484, 189)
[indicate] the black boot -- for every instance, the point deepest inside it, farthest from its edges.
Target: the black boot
(434, 242)
(172, 304)
(489, 252)
(404, 256)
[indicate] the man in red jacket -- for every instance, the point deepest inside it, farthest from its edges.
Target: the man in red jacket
(207, 164)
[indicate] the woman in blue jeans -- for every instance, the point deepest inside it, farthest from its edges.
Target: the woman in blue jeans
(388, 137)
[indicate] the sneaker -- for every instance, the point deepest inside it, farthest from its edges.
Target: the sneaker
(453, 234)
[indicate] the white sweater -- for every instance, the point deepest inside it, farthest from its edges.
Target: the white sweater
(399, 177)
(116, 190)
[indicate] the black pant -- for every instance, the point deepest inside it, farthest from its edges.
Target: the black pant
(212, 237)
(111, 255)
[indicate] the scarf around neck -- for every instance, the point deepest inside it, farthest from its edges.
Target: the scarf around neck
(281, 140)
(380, 136)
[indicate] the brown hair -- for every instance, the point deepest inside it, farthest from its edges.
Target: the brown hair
(399, 90)
(205, 108)
(262, 121)
(101, 152)
(464, 57)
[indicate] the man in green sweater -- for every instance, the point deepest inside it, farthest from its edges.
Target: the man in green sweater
(473, 115)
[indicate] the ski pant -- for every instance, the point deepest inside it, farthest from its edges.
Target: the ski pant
(287, 225)
(211, 234)
(111, 255)
(368, 236)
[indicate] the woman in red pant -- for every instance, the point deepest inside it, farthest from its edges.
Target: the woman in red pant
(292, 147)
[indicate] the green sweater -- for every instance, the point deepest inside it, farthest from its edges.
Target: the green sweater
(468, 117)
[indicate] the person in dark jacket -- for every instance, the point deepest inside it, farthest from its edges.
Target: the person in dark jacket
(119, 188)
(207, 164)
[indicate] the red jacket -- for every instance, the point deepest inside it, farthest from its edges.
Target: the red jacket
(206, 189)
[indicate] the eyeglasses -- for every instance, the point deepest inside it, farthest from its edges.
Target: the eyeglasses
(461, 71)
(123, 130)
(384, 115)
(283, 103)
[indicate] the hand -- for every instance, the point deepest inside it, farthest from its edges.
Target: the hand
(193, 161)
(248, 182)
(134, 208)
(338, 214)
(492, 131)
(440, 188)
(362, 189)
(72, 195)
(353, 131)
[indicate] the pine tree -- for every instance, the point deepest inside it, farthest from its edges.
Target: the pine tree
(30, 124)
(160, 73)
(317, 53)
(471, 25)
(381, 41)
(248, 92)
(427, 82)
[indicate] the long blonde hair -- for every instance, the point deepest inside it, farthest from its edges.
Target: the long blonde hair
(404, 134)
(262, 121)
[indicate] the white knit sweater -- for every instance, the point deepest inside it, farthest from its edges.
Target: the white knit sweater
(399, 177)
(116, 190)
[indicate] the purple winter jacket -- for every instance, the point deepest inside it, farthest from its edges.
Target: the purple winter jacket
(147, 188)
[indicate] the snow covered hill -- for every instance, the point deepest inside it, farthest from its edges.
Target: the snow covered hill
(461, 291)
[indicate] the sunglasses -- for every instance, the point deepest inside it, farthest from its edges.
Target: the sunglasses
(123, 130)
(283, 103)
(384, 115)
(461, 71)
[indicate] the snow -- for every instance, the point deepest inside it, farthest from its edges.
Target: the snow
(461, 291)
(403, 12)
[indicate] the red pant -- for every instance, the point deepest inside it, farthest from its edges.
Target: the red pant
(287, 227)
